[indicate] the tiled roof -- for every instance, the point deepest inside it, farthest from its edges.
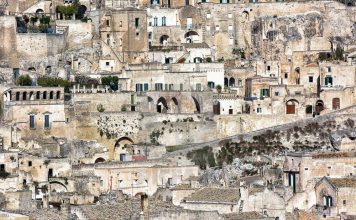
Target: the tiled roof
(243, 215)
(196, 45)
(228, 195)
(334, 155)
(343, 182)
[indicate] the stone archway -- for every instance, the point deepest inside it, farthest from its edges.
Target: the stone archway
(291, 106)
(162, 106)
(121, 146)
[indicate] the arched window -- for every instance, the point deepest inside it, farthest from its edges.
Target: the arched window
(38, 95)
(45, 95)
(58, 96)
(51, 95)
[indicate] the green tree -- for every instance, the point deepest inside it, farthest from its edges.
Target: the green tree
(339, 53)
(111, 81)
(24, 80)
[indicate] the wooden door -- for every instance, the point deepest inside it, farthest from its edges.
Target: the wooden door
(336, 103)
(290, 109)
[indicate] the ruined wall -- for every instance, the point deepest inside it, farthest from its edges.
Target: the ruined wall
(79, 33)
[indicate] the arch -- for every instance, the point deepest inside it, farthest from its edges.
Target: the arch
(336, 103)
(197, 105)
(24, 96)
(51, 95)
(162, 106)
(39, 12)
(99, 160)
(122, 141)
(226, 82)
(163, 40)
(291, 106)
(191, 37)
(232, 82)
(173, 105)
(38, 95)
(58, 95)
(17, 96)
(57, 186)
(31, 97)
(44, 95)
(319, 106)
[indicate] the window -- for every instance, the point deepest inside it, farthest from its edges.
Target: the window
(181, 87)
(309, 109)
(231, 111)
(328, 69)
(158, 86)
(328, 80)
(108, 23)
(145, 87)
(107, 63)
(186, 2)
(208, 15)
(306, 168)
(46, 122)
(344, 202)
(150, 35)
(30, 163)
(264, 92)
(229, 15)
(230, 28)
(231, 41)
(101, 183)
(286, 75)
(170, 181)
(198, 87)
(155, 21)
(171, 87)
(259, 110)
(137, 22)
(2, 167)
(32, 121)
(211, 84)
(268, 68)
(217, 27)
(164, 21)
(276, 93)
(311, 79)
(189, 22)
(138, 87)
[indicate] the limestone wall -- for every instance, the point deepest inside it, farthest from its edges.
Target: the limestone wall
(31, 46)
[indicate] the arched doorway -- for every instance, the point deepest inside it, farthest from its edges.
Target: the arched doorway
(232, 82)
(226, 82)
(163, 40)
(191, 37)
(99, 160)
(336, 103)
(291, 106)
(319, 106)
(162, 106)
(120, 147)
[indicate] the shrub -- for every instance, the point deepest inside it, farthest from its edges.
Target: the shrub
(218, 88)
(100, 108)
(111, 81)
(54, 82)
(24, 80)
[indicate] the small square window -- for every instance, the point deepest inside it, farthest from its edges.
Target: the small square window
(107, 63)
(276, 93)
(259, 110)
(306, 168)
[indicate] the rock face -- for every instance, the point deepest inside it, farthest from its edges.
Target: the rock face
(226, 174)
